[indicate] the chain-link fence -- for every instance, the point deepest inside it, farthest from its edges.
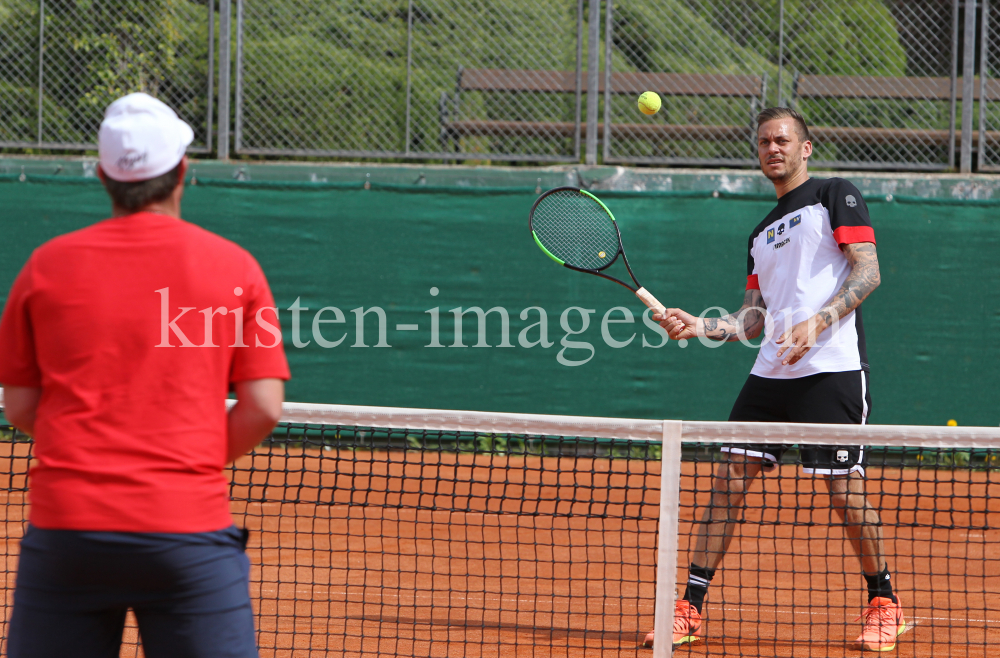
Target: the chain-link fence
(877, 81)
(881, 81)
(19, 98)
(418, 78)
(988, 138)
(63, 61)
(874, 78)
(712, 63)
(320, 78)
(477, 80)
(493, 78)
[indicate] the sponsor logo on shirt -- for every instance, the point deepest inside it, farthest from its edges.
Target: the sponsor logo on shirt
(795, 221)
(770, 235)
(851, 201)
(781, 228)
(782, 243)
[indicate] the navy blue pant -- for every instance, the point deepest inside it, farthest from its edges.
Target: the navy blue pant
(190, 594)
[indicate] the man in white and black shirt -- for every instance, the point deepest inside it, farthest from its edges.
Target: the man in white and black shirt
(811, 263)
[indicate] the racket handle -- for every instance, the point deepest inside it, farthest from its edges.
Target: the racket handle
(650, 301)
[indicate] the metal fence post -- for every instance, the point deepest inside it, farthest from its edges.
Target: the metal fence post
(781, 48)
(593, 73)
(238, 92)
(983, 50)
(225, 14)
(607, 79)
(954, 82)
(41, 65)
(968, 85)
(409, 68)
(211, 74)
(579, 78)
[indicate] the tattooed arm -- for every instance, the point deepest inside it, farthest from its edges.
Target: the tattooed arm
(747, 323)
(862, 280)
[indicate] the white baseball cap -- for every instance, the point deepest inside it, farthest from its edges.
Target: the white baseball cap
(141, 138)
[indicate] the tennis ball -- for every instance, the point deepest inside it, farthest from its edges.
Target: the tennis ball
(952, 423)
(649, 102)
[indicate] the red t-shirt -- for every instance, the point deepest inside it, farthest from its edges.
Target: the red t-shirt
(130, 432)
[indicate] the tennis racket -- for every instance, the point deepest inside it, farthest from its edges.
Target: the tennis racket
(575, 229)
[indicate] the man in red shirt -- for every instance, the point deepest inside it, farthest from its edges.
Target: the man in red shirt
(118, 345)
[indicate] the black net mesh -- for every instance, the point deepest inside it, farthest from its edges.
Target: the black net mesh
(792, 583)
(409, 542)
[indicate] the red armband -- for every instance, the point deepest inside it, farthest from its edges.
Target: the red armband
(854, 234)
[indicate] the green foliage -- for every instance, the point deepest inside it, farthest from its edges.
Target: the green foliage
(513, 445)
(952, 459)
(124, 58)
(355, 56)
(98, 51)
(18, 70)
(333, 75)
(854, 37)
(343, 66)
(670, 36)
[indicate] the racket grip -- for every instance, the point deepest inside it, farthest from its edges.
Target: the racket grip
(650, 301)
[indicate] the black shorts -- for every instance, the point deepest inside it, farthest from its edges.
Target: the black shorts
(190, 594)
(841, 398)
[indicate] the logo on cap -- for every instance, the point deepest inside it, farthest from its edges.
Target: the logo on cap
(130, 161)
(842, 456)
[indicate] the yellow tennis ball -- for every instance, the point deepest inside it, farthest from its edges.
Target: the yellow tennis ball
(952, 423)
(649, 102)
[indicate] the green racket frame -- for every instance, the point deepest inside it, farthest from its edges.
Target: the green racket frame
(639, 290)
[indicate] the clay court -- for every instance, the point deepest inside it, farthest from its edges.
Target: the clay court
(415, 553)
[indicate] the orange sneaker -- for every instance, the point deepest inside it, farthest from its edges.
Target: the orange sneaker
(883, 624)
(687, 625)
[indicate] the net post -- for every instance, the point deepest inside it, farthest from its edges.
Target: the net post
(666, 557)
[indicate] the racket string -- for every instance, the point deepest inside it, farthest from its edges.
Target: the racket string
(576, 229)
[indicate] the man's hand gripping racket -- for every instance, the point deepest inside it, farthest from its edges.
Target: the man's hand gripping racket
(575, 229)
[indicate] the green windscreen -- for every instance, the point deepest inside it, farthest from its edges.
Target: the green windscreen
(437, 257)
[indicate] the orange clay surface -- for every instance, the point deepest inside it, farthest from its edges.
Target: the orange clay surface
(533, 556)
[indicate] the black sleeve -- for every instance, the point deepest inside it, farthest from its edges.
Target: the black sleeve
(849, 218)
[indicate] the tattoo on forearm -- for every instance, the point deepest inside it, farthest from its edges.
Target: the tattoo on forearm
(746, 323)
(860, 283)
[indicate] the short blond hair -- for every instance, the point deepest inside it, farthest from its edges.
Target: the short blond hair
(772, 113)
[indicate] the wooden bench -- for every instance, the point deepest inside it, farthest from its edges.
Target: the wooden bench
(454, 127)
(826, 87)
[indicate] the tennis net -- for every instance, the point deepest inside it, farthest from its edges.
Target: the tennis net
(408, 532)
